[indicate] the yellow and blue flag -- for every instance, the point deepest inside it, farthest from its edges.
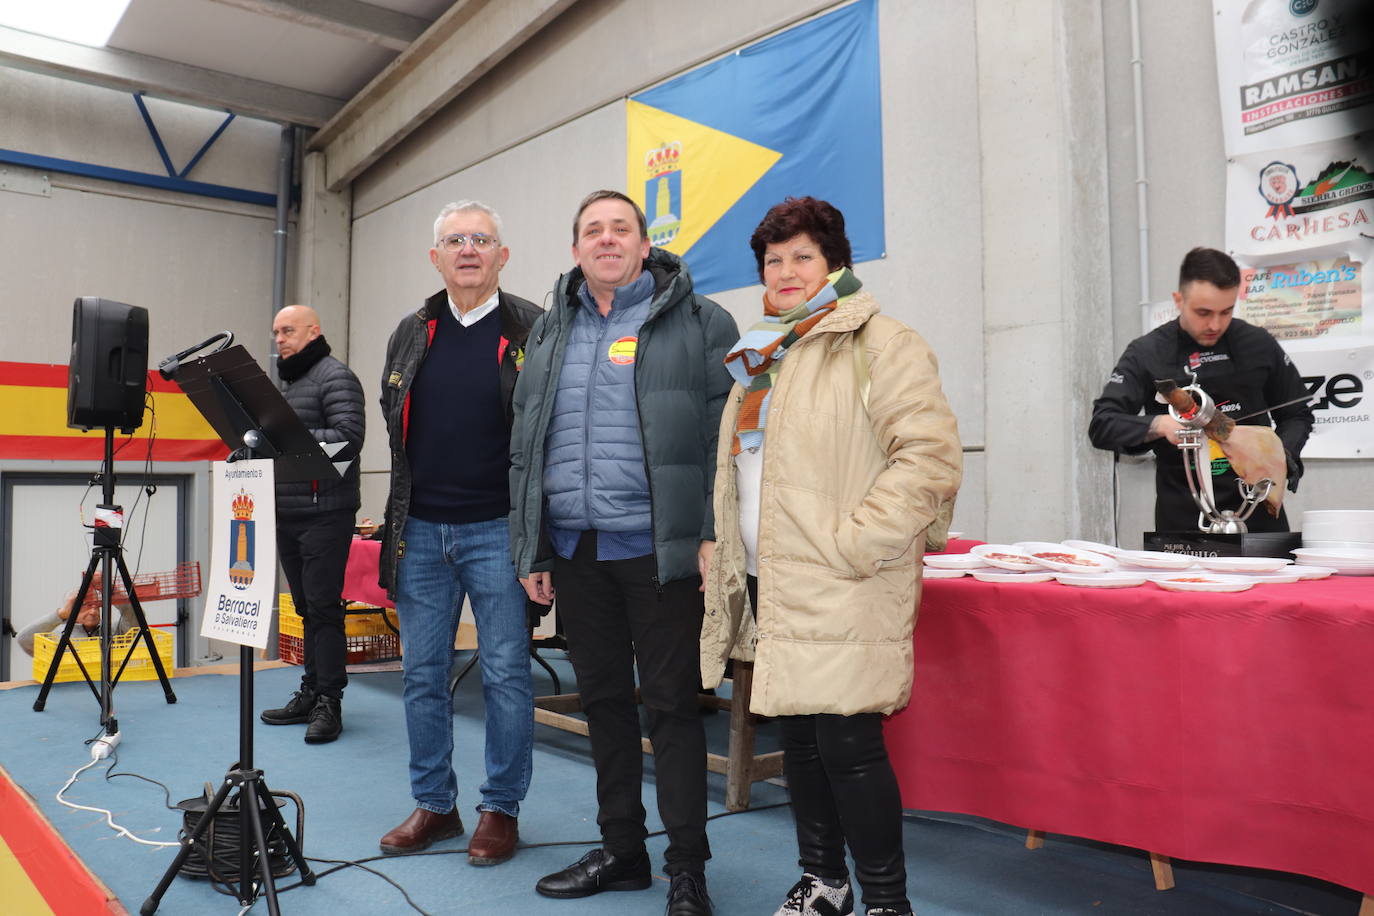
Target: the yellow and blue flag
(794, 115)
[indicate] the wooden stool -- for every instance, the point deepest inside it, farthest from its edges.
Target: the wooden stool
(740, 766)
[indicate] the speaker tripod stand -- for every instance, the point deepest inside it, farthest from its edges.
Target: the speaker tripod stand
(108, 554)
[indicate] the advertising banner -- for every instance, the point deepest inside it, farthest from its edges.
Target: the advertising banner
(1307, 299)
(796, 114)
(1339, 379)
(1299, 198)
(1293, 71)
(243, 553)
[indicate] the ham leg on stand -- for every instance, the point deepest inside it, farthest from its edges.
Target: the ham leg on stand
(1255, 452)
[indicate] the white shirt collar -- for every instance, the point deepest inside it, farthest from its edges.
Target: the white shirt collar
(474, 315)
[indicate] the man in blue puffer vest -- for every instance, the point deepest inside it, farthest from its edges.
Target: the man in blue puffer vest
(612, 467)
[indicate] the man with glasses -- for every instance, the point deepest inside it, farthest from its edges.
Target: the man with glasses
(450, 370)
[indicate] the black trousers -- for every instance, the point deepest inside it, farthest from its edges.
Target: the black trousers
(615, 617)
(313, 554)
(844, 792)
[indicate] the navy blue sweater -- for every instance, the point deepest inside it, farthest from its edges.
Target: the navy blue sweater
(458, 442)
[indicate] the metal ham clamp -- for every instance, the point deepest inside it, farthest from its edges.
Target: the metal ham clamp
(1255, 453)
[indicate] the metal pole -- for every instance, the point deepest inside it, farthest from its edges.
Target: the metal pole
(286, 157)
(286, 162)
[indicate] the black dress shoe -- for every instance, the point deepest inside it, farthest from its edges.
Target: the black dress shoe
(296, 710)
(598, 871)
(687, 896)
(326, 721)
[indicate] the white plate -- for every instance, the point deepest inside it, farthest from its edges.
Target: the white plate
(934, 572)
(1344, 569)
(1338, 545)
(1342, 555)
(999, 575)
(1242, 564)
(1094, 547)
(1155, 559)
(953, 561)
(954, 535)
(1211, 583)
(1065, 559)
(1313, 572)
(1101, 580)
(1005, 556)
(1287, 574)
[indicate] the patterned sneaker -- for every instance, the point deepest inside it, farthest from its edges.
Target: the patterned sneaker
(888, 911)
(817, 896)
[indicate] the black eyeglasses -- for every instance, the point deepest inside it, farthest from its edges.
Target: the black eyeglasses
(458, 240)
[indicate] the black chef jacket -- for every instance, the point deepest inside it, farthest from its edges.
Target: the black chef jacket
(1244, 371)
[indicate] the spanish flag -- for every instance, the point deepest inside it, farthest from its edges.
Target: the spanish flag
(33, 421)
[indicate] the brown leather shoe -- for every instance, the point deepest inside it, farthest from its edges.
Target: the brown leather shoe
(421, 829)
(493, 842)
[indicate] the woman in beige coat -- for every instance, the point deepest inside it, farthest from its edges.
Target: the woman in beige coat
(837, 451)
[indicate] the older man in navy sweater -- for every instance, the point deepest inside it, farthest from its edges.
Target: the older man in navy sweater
(446, 395)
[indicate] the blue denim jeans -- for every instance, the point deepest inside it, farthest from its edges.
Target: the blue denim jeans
(441, 564)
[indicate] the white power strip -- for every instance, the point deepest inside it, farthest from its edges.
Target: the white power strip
(103, 746)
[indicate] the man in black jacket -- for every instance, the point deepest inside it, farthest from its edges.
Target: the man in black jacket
(1241, 366)
(315, 518)
(446, 396)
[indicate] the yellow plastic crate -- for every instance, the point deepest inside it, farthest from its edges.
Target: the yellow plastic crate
(289, 622)
(140, 667)
(367, 636)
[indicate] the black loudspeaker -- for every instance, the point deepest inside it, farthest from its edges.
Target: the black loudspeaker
(107, 377)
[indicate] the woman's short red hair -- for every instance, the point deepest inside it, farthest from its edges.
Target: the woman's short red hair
(797, 215)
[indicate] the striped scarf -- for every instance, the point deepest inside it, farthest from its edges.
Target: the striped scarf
(755, 360)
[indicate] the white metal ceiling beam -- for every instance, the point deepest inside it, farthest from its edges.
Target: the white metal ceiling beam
(463, 44)
(167, 79)
(350, 18)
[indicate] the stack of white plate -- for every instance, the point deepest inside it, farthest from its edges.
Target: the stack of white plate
(1348, 561)
(950, 565)
(1338, 528)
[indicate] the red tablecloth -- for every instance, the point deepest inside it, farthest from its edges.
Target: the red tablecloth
(1230, 728)
(360, 575)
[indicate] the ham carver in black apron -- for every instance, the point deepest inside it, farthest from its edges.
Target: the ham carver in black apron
(1241, 366)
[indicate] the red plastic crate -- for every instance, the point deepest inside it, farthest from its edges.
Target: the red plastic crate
(357, 649)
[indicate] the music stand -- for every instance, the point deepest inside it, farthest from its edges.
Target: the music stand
(246, 410)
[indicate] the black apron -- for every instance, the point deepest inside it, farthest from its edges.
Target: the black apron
(1229, 383)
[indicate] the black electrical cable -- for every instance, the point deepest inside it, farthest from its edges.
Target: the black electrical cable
(145, 487)
(110, 774)
(217, 857)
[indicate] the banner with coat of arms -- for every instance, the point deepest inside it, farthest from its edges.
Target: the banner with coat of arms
(798, 114)
(243, 553)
